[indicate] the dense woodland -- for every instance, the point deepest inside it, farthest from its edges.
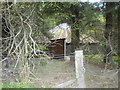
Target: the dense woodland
(26, 25)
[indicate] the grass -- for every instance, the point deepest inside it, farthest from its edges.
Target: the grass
(55, 65)
(0, 85)
(105, 86)
(47, 75)
(53, 73)
(18, 85)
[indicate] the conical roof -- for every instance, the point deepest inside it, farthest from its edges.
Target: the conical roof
(62, 31)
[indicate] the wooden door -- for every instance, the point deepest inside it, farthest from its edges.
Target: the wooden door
(57, 48)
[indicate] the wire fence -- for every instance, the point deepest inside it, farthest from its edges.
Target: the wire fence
(61, 74)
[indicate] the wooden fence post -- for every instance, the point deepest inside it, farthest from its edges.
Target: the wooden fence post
(79, 68)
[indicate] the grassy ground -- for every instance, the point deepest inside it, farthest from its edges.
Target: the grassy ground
(18, 85)
(46, 76)
(99, 74)
(98, 77)
(56, 72)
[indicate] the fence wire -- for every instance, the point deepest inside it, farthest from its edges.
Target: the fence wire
(55, 72)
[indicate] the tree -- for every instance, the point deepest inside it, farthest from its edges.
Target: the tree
(68, 12)
(18, 30)
(118, 33)
(75, 9)
(108, 31)
(80, 16)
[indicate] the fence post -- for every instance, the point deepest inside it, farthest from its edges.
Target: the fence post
(79, 68)
(0, 48)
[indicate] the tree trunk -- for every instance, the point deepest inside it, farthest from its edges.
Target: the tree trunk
(75, 28)
(75, 39)
(74, 31)
(108, 31)
(119, 34)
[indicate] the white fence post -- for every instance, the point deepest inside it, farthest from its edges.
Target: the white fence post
(0, 49)
(79, 68)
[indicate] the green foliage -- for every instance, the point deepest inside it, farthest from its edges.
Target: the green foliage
(99, 58)
(116, 59)
(43, 48)
(50, 22)
(94, 58)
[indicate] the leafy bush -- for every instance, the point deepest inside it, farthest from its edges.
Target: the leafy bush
(99, 58)
(94, 58)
